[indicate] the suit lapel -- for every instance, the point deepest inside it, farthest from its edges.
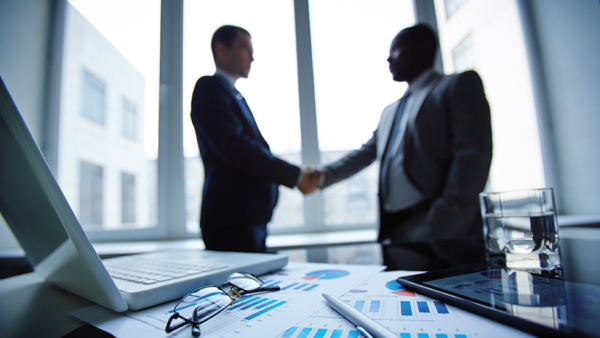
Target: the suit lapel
(241, 102)
(419, 99)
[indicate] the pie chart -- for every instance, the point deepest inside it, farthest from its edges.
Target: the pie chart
(398, 289)
(326, 274)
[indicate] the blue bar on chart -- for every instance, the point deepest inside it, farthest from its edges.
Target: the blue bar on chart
(336, 334)
(311, 287)
(300, 287)
(320, 333)
(405, 308)
(441, 335)
(422, 335)
(289, 286)
(255, 303)
(441, 307)
(423, 308)
(266, 304)
(359, 305)
(271, 284)
(289, 332)
(374, 307)
(263, 311)
(242, 302)
(304, 333)
(353, 334)
(404, 335)
(460, 336)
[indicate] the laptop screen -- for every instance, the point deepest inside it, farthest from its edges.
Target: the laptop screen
(40, 217)
(23, 203)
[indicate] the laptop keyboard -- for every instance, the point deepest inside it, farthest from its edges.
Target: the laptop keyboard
(150, 271)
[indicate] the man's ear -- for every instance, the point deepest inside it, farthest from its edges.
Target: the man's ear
(220, 51)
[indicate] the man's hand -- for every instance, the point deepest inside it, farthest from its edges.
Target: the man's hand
(310, 180)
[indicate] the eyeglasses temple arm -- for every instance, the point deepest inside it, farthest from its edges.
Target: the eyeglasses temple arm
(170, 328)
(195, 327)
(263, 289)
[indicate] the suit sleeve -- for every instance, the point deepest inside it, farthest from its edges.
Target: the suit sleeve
(351, 163)
(220, 129)
(471, 134)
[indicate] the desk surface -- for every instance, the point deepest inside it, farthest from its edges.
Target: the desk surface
(31, 308)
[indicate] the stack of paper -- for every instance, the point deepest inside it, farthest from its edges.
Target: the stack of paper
(299, 311)
(263, 315)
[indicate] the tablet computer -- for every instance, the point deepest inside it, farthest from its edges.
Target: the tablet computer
(542, 305)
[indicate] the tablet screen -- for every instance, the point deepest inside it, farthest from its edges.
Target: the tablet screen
(551, 302)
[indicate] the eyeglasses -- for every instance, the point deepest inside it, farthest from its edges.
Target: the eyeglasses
(206, 302)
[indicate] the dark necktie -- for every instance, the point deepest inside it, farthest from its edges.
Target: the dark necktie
(387, 154)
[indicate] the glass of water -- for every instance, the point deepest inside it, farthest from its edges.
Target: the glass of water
(520, 229)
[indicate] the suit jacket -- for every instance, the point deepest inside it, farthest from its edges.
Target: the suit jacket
(447, 156)
(241, 173)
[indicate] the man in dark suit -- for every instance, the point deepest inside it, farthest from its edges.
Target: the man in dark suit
(241, 174)
(434, 146)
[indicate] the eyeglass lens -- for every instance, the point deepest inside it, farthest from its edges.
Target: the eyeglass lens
(244, 281)
(205, 302)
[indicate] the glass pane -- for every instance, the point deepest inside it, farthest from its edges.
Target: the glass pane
(108, 137)
(271, 90)
(486, 36)
(351, 42)
(127, 198)
(91, 192)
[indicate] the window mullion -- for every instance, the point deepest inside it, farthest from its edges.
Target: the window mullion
(313, 204)
(171, 200)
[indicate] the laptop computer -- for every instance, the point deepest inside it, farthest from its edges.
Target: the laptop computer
(58, 249)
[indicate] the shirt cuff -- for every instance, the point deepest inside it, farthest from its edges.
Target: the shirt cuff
(299, 177)
(322, 178)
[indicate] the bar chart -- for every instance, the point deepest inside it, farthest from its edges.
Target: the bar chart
(256, 305)
(371, 307)
(424, 309)
(407, 308)
(309, 332)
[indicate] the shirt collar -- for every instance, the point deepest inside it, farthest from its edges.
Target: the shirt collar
(422, 80)
(228, 77)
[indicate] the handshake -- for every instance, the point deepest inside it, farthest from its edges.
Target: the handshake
(311, 179)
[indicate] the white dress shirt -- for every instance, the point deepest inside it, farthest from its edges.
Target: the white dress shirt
(228, 77)
(402, 193)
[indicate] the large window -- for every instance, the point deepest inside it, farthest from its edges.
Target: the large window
(110, 93)
(488, 37)
(351, 43)
(111, 51)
